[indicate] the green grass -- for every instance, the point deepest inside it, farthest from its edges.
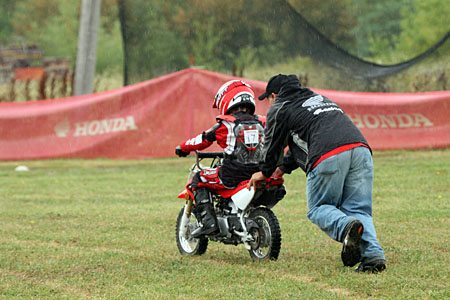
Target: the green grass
(102, 229)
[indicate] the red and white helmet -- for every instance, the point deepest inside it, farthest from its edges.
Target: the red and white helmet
(232, 94)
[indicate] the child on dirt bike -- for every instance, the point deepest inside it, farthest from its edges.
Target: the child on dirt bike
(240, 133)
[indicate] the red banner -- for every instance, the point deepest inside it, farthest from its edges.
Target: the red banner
(150, 118)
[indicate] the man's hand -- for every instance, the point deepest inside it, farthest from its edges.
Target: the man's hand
(180, 152)
(278, 173)
(256, 177)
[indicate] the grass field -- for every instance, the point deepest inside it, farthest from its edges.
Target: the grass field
(102, 229)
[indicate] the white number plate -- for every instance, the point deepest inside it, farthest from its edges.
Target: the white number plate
(251, 136)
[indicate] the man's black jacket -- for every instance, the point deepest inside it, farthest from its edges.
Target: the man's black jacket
(309, 123)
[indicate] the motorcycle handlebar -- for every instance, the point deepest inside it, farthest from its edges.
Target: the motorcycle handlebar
(210, 155)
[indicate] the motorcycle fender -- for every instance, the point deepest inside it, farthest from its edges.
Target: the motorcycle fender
(242, 198)
(186, 194)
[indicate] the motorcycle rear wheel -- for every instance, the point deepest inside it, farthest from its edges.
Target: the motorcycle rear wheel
(186, 244)
(267, 238)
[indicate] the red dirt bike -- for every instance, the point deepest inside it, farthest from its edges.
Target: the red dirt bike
(244, 216)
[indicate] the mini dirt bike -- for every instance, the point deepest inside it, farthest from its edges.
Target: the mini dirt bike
(244, 216)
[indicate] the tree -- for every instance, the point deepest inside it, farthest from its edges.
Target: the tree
(378, 28)
(6, 12)
(423, 25)
(225, 35)
(151, 47)
(335, 19)
(39, 22)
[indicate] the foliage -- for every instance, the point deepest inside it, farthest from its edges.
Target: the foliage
(30, 16)
(432, 74)
(378, 28)
(39, 22)
(335, 19)
(238, 37)
(44, 28)
(205, 44)
(422, 26)
(109, 43)
(218, 32)
(109, 49)
(104, 229)
(6, 10)
(164, 51)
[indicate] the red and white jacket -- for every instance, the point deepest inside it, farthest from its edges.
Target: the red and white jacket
(222, 132)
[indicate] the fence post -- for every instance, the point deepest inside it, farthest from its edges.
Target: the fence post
(42, 94)
(12, 91)
(86, 53)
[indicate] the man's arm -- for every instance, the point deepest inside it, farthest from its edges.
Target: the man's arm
(276, 133)
(289, 163)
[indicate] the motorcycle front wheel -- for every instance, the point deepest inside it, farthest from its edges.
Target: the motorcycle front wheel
(185, 243)
(266, 243)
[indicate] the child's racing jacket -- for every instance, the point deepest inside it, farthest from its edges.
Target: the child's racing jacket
(241, 135)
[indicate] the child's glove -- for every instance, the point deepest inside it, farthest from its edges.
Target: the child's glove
(180, 152)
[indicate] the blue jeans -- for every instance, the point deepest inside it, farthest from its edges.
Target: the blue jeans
(339, 190)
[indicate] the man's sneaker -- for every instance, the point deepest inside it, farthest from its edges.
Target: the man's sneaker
(351, 252)
(375, 266)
